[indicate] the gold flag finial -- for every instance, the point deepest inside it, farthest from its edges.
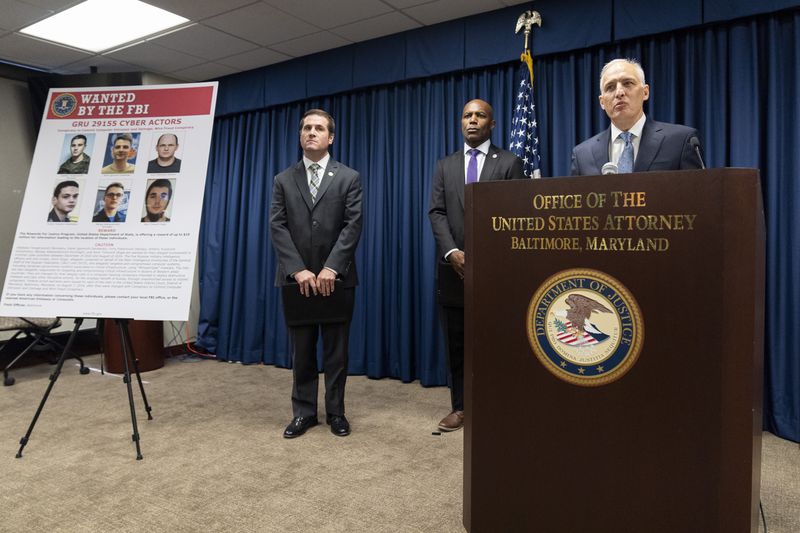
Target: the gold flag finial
(526, 21)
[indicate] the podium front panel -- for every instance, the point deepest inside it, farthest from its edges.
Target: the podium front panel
(575, 438)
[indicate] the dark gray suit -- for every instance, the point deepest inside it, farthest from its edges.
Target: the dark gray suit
(312, 236)
(663, 146)
(446, 213)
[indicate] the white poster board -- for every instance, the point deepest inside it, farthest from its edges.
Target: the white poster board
(114, 234)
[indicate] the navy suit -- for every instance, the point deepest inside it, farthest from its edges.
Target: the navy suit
(311, 236)
(446, 213)
(663, 146)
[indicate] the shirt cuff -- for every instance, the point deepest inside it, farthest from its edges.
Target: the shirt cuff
(450, 252)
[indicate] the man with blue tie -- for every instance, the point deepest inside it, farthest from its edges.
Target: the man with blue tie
(633, 142)
(479, 160)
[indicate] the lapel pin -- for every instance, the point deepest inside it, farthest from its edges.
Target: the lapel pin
(330, 173)
(494, 156)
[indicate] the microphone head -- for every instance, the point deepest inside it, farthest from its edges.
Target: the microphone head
(610, 168)
(694, 142)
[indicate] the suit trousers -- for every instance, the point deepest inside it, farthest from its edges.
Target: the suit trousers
(335, 342)
(453, 322)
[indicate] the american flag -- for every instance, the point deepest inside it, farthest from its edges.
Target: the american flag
(570, 335)
(524, 128)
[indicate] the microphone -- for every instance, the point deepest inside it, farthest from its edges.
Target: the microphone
(610, 168)
(695, 143)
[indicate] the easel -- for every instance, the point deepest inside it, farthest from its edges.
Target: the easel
(127, 354)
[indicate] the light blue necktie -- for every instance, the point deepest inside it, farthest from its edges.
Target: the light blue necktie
(472, 165)
(625, 163)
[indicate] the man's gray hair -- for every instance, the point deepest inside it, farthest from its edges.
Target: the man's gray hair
(614, 62)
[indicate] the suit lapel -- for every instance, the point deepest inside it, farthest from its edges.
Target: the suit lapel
(301, 180)
(600, 150)
(489, 164)
(649, 145)
(327, 177)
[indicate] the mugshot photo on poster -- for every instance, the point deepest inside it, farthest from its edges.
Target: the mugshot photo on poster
(166, 161)
(120, 157)
(111, 203)
(158, 200)
(75, 149)
(65, 203)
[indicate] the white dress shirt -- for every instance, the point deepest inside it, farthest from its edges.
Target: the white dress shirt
(616, 144)
(323, 163)
(483, 151)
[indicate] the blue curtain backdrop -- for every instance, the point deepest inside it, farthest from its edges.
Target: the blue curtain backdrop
(737, 83)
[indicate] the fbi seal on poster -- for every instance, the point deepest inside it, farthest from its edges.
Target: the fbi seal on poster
(585, 327)
(64, 105)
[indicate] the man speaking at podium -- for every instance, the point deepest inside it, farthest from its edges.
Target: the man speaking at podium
(315, 223)
(633, 143)
(478, 160)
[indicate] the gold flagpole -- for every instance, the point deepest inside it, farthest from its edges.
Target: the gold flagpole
(526, 22)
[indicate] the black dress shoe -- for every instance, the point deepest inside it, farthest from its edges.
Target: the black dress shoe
(299, 425)
(339, 425)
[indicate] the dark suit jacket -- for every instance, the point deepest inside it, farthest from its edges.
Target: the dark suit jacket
(310, 235)
(663, 146)
(446, 209)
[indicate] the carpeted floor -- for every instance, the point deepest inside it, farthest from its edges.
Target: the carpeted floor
(214, 458)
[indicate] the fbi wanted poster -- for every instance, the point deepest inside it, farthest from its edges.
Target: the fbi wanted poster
(111, 213)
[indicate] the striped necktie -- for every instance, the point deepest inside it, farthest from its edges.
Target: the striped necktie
(315, 181)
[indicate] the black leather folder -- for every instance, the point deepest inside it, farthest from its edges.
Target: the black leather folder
(300, 310)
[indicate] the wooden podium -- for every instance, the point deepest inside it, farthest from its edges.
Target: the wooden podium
(633, 408)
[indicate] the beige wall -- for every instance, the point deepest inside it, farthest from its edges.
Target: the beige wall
(16, 151)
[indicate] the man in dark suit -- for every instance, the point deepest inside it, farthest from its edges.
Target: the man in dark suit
(633, 142)
(479, 160)
(315, 223)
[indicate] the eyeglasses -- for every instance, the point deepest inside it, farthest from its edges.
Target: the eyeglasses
(114, 195)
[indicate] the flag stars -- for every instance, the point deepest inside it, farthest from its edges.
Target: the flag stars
(523, 135)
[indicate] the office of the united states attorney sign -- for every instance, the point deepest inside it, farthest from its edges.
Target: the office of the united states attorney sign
(583, 324)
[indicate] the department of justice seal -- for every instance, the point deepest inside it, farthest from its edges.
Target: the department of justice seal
(64, 105)
(585, 327)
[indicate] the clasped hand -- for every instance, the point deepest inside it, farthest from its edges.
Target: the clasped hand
(310, 284)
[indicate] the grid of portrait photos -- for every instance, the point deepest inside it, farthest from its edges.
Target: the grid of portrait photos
(129, 177)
